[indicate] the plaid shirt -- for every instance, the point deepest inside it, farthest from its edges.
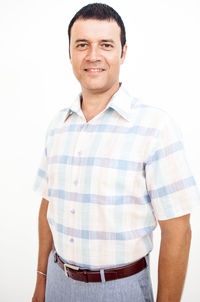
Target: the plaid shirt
(109, 180)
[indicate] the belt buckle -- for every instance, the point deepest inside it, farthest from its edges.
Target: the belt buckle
(66, 266)
(65, 270)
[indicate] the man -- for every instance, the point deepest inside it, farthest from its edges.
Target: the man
(112, 167)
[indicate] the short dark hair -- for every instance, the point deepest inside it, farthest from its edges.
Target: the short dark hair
(99, 11)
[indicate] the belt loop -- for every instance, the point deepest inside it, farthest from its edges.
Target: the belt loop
(86, 275)
(102, 275)
(55, 256)
(147, 259)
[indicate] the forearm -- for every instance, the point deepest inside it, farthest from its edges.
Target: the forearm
(45, 237)
(45, 246)
(173, 259)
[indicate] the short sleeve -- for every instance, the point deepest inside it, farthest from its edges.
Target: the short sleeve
(41, 180)
(171, 186)
(41, 183)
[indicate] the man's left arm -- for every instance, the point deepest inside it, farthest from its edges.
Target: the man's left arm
(173, 258)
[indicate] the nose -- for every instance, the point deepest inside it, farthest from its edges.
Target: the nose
(93, 54)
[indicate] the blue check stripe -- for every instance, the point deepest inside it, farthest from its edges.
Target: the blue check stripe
(97, 161)
(161, 153)
(172, 188)
(98, 235)
(139, 130)
(98, 199)
(42, 173)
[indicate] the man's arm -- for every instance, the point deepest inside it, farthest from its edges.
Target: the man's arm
(45, 246)
(173, 259)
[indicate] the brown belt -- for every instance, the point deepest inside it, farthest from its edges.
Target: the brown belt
(85, 275)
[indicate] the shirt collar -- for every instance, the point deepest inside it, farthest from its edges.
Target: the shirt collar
(122, 102)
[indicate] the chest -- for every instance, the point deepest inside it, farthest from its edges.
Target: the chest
(109, 142)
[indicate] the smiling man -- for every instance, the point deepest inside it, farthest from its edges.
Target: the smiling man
(96, 55)
(112, 168)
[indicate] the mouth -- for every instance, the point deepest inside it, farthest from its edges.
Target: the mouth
(94, 70)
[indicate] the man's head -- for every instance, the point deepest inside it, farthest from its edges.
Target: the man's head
(99, 11)
(97, 47)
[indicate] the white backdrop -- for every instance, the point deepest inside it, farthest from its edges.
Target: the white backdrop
(162, 67)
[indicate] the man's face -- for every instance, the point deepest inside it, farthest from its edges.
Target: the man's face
(96, 54)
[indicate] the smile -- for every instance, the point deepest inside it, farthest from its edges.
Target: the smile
(94, 69)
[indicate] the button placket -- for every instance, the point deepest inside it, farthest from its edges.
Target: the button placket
(78, 152)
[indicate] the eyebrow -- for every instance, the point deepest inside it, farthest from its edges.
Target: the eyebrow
(81, 40)
(103, 40)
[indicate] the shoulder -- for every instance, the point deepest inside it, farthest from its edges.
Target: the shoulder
(152, 116)
(57, 120)
(144, 113)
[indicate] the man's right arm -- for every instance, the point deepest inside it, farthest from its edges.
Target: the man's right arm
(45, 246)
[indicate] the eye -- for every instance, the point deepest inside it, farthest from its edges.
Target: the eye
(107, 45)
(81, 45)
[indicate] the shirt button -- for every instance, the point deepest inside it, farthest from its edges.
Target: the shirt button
(71, 239)
(79, 153)
(76, 182)
(73, 211)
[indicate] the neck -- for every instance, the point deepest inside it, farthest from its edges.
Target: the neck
(93, 103)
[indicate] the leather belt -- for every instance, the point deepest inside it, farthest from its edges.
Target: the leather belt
(85, 275)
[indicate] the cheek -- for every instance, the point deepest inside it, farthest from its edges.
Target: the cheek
(76, 62)
(114, 61)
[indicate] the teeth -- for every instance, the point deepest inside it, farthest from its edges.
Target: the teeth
(94, 69)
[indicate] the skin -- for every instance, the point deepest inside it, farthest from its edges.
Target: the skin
(96, 56)
(173, 258)
(96, 44)
(45, 246)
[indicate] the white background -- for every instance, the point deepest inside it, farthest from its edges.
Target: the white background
(162, 67)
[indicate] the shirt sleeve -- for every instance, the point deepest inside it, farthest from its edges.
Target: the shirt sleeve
(41, 183)
(172, 188)
(41, 180)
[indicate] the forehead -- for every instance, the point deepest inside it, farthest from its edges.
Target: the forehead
(92, 29)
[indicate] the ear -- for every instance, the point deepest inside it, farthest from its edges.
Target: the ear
(70, 56)
(123, 54)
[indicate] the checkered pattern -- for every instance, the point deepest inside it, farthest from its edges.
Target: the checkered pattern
(109, 180)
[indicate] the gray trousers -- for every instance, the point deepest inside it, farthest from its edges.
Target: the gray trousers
(59, 288)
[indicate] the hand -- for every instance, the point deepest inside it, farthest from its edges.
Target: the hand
(39, 294)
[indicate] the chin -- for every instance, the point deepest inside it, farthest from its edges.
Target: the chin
(98, 86)
(95, 86)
